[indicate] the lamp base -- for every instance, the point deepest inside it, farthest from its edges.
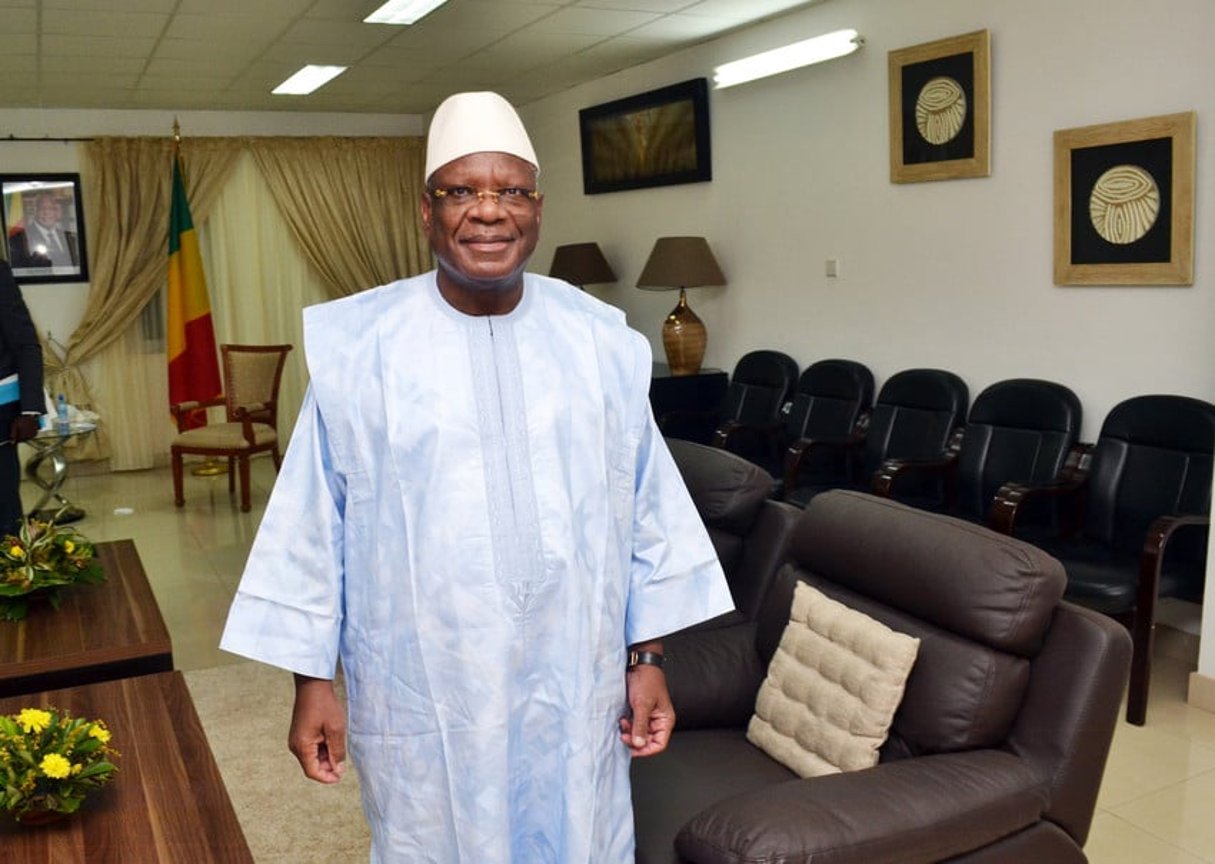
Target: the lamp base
(684, 337)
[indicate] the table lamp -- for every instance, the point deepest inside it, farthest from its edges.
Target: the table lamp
(681, 262)
(581, 264)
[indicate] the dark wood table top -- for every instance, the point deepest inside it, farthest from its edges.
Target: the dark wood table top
(109, 630)
(167, 803)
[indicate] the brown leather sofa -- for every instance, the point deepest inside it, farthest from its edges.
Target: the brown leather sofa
(749, 530)
(996, 751)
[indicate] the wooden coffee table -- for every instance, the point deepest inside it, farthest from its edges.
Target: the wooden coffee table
(167, 803)
(110, 630)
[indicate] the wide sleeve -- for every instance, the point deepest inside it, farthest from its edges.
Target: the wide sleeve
(675, 578)
(19, 337)
(288, 607)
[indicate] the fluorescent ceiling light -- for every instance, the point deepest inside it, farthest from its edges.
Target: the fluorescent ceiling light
(402, 11)
(816, 50)
(308, 79)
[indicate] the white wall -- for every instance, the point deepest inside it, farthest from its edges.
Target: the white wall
(59, 308)
(955, 274)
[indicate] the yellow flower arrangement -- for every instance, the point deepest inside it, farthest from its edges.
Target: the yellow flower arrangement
(51, 761)
(43, 557)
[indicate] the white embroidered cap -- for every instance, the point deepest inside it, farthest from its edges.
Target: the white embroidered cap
(481, 122)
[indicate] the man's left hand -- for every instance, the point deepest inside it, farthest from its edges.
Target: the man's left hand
(25, 427)
(648, 731)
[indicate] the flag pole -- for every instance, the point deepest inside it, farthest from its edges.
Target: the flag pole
(210, 466)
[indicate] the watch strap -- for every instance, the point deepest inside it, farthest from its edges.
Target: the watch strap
(647, 658)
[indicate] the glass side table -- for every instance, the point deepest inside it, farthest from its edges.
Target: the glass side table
(48, 444)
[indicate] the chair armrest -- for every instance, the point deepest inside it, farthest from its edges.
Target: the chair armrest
(713, 676)
(1151, 560)
(1071, 482)
(892, 469)
(731, 428)
(182, 411)
(924, 809)
(254, 412)
(795, 454)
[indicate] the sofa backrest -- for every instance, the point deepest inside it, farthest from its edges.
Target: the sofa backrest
(981, 604)
(749, 531)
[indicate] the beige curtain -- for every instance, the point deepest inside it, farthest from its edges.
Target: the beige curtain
(260, 278)
(259, 275)
(126, 184)
(352, 203)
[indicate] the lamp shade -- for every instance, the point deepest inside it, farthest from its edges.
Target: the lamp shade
(581, 264)
(680, 262)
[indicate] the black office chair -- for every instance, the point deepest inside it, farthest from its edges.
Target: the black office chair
(1022, 430)
(749, 422)
(831, 404)
(1144, 508)
(914, 417)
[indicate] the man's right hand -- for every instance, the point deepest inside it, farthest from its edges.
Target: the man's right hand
(318, 730)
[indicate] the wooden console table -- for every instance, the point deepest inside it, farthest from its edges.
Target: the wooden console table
(686, 406)
(167, 803)
(110, 630)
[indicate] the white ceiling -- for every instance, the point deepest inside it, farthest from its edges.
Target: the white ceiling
(229, 54)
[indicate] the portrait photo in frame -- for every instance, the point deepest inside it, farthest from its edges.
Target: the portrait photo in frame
(43, 223)
(1124, 202)
(657, 138)
(940, 109)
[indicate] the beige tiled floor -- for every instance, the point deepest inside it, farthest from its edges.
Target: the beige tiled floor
(1157, 804)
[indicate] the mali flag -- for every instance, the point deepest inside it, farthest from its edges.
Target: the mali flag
(193, 367)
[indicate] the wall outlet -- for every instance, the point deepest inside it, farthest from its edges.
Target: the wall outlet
(833, 267)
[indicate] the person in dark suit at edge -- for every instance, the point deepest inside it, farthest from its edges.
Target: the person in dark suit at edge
(21, 396)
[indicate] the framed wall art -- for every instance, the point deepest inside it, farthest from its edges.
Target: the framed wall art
(940, 109)
(657, 138)
(1124, 202)
(43, 223)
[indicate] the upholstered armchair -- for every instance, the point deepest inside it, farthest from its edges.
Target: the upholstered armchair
(1138, 519)
(996, 750)
(252, 374)
(749, 530)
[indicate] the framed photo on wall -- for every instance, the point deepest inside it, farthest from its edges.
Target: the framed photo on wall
(657, 138)
(1124, 202)
(43, 223)
(940, 109)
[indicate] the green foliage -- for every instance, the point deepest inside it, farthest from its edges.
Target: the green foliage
(80, 760)
(43, 558)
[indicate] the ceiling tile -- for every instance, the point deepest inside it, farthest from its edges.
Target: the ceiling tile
(230, 53)
(78, 23)
(605, 22)
(96, 46)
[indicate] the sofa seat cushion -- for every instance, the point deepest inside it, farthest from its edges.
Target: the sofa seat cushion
(699, 768)
(832, 687)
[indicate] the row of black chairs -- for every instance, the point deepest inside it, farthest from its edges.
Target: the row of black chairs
(1127, 515)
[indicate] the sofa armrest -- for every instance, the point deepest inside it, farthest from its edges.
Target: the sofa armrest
(925, 809)
(713, 676)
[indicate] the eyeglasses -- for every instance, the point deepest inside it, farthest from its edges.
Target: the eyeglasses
(510, 198)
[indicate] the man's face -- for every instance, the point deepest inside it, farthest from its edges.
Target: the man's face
(48, 211)
(485, 244)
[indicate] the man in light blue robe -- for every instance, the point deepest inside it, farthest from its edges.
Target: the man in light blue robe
(477, 515)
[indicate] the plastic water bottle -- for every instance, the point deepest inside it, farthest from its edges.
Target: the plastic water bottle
(62, 424)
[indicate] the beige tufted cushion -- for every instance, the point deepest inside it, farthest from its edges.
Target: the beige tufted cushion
(228, 436)
(832, 687)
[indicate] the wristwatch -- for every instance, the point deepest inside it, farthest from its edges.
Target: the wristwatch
(647, 658)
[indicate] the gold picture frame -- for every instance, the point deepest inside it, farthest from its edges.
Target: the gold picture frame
(940, 109)
(1124, 202)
